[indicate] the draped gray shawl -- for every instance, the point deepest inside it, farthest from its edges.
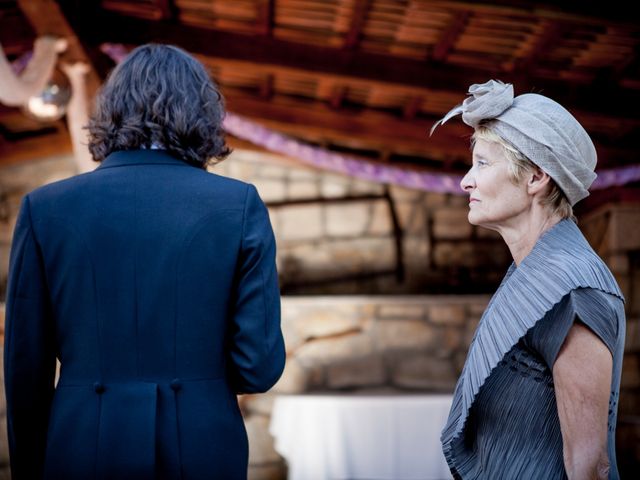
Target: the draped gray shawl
(560, 262)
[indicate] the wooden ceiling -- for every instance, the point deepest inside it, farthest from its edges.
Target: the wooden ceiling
(368, 77)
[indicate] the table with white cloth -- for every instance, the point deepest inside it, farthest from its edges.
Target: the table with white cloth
(356, 436)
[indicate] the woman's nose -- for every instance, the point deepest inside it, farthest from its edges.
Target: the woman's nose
(467, 182)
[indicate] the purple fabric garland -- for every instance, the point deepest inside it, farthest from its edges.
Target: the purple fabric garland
(376, 172)
(365, 170)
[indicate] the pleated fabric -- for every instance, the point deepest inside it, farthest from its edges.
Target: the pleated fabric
(503, 421)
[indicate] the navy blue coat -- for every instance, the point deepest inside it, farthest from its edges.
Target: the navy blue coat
(154, 283)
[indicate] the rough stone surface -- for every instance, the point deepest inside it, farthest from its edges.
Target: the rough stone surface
(451, 223)
(447, 314)
(274, 471)
(424, 372)
(401, 310)
(335, 349)
(404, 335)
(293, 379)
(261, 449)
(301, 222)
(363, 372)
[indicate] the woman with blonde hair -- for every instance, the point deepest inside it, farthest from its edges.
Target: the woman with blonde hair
(537, 397)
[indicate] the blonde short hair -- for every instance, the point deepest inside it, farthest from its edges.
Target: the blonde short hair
(520, 165)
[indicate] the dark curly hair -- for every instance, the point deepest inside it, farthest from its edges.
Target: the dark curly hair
(159, 95)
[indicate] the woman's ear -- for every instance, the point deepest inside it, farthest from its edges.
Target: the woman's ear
(537, 182)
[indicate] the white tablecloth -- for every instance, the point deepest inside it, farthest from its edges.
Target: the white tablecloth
(372, 437)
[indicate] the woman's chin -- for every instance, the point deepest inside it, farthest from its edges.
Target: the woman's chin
(474, 219)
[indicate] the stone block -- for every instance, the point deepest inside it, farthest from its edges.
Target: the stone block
(451, 339)
(362, 372)
(458, 361)
(302, 189)
(626, 234)
(357, 186)
(301, 222)
(257, 404)
(632, 337)
(476, 310)
(333, 186)
(401, 194)
(261, 449)
(301, 174)
(330, 350)
(293, 379)
(380, 219)
(451, 223)
(6, 228)
(270, 190)
(618, 263)
(416, 252)
(273, 171)
(447, 315)
(404, 335)
(401, 310)
(347, 220)
(460, 201)
(319, 319)
(329, 322)
(434, 200)
(272, 471)
(630, 371)
(469, 332)
(423, 371)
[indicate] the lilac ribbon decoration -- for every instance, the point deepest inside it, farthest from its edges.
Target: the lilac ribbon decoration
(257, 134)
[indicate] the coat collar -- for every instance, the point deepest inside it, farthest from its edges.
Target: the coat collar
(124, 158)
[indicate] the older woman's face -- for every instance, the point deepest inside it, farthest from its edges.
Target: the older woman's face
(494, 200)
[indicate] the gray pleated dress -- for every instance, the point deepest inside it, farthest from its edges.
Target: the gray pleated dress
(504, 421)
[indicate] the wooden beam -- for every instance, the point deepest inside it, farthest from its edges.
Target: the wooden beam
(338, 95)
(34, 148)
(609, 126)
(358, 18)
(264, 21)
(105, 27)
(449, 36)
(266, 87)
(16, 34)
(551, 32)
(166, 8)
(412, 107)
(379, 131)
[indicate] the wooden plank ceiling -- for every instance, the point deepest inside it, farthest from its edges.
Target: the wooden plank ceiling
(370, 77)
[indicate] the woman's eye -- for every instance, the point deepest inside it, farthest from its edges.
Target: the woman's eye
(482, 163)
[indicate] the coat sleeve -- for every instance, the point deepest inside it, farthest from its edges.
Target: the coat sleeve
(257, 347)
(29, 352)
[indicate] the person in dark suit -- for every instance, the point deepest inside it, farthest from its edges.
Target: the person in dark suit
(153, 282)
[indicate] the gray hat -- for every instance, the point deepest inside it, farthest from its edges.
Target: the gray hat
(542, 129)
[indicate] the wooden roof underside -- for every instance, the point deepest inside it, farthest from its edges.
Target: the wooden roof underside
(371, 76)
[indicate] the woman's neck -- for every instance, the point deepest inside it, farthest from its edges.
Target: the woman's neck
(522, 234)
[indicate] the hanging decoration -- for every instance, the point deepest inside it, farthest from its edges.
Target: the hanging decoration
(17, 89)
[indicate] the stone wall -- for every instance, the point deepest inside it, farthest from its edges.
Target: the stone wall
(614, 232)
(335, 234)
(398, 343)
